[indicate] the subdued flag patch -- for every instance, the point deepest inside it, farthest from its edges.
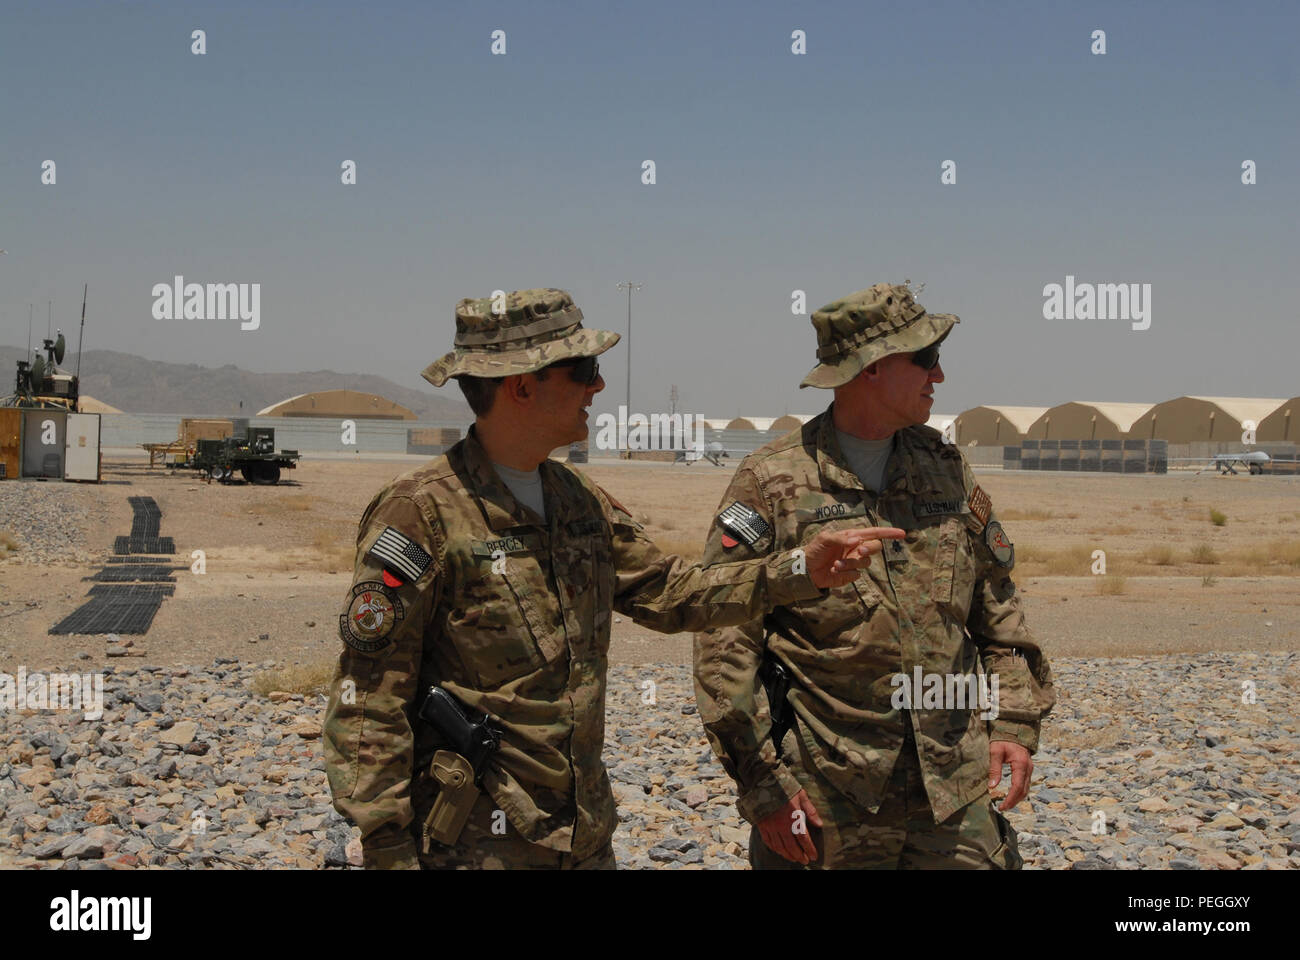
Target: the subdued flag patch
(398, 552)
(980, 504)
(742, 522)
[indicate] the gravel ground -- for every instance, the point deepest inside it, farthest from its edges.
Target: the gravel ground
(188, 768)
(49, 521)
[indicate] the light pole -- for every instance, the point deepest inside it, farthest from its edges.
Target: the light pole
(629, 286)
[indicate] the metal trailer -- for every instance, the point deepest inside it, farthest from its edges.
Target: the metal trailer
(252, 453)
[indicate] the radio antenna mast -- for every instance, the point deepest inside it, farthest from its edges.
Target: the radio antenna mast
(82, 336)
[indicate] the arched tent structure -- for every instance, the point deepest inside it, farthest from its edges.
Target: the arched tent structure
(1000, 425)
(1087, 420)
(715, 423)
(791, 421)
(750, 423)
(1282, 425)
(938, 421)
(339, 404)
(88, 404)
(1192, 419)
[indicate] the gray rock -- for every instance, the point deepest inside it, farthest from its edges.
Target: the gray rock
(53, 848)
(337, 855)
(84, 848)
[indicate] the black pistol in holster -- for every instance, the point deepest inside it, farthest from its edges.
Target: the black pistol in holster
(776, 681)
(458, 771)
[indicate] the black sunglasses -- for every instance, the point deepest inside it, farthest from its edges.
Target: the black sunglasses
(928, 358)
(584, 370)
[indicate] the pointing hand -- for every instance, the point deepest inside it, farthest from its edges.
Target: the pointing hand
(835, 557)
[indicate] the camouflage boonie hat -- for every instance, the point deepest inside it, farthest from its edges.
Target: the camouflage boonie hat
(537, 328)
(856, 331)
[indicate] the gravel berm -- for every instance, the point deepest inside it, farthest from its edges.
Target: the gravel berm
(1147, 763)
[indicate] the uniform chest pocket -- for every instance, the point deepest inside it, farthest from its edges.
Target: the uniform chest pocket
(953, 583)
(833, 620)
(507, 623)
(584, 575)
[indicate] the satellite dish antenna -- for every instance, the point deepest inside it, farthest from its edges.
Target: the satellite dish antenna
(59, 346)
(38, 372)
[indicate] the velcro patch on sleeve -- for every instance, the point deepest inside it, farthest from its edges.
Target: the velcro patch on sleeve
(400, 554)
(980, 504)
(1003, 550)
(744, 523)
(506, 545)
(373, 612)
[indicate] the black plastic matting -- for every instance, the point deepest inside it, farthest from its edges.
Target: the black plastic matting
(133, 591)
(147, 516)
(116, 608)
(139, 559)
(128, 545)
(135, 571)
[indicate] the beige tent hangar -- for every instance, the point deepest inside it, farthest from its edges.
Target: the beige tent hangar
(751, 423)
(791, 421)
(339, 403)
(1281, 425)
(996, 425)
(88, 404)
(1087, 420)
(1189, 419)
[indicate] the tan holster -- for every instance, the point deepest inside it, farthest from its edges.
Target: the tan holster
(456, 796)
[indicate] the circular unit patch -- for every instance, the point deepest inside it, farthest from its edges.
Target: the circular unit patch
(372, 614)
(1004, 551)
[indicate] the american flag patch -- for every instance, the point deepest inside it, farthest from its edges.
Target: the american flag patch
(980, 504)
(744, 522)
(400, 554)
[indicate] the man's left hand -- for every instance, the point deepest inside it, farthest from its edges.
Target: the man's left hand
(1022, 767)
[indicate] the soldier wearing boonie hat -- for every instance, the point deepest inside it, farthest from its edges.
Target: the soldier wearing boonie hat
(516, 333)
(871, 770)
(856, 331)
(490, 574)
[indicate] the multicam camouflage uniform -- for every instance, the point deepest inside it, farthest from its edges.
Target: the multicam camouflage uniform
(458, 584)
(894, 788)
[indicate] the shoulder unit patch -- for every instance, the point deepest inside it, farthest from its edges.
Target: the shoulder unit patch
(743, 523)
(1003, 550)
(372, 613)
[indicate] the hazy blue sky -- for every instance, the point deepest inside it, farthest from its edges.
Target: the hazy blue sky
(775, 172)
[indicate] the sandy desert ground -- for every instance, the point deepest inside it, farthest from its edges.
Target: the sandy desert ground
(278, 559)
(216, 711)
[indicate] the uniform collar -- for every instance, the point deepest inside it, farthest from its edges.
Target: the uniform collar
(498, 504)
(835, 469)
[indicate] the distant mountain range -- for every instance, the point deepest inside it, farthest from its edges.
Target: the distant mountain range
(137, 385)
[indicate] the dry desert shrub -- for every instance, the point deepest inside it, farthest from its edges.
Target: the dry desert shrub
(1161, 556)
(1217, 518)
(1014, 514)
(328, 552)
(307, 678)
(8, 545)
(1075, 560)
(1111, 585)
(1204, 553)
(332, 551)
